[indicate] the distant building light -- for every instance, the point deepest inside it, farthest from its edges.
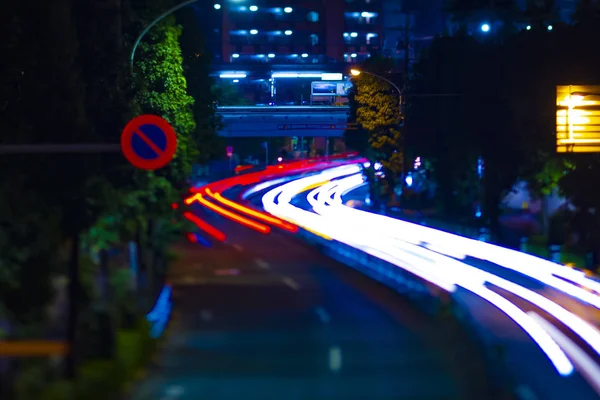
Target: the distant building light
(293, 55)
(345, 55)
(253, 31)
(485, 27)
(288, 10)
(232, 75)
(235, 55)
(271, 55)
(366, 14)
(296, 75)
(236, 80)
(288, 32)
(277, 10)
(354, 34)
(353, 55)
(277, 33)
(528, 27)
(549, 27)
(304, 55)
(371, 35)
(345, 34)
(260, 55)
(243, 8)
(253, 8)
(217, 6)
(335, 76)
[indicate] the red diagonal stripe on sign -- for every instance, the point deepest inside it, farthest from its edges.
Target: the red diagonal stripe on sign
(149, 142)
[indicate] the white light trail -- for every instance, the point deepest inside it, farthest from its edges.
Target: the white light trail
(435, 268)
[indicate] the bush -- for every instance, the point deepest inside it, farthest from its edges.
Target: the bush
(103, 379)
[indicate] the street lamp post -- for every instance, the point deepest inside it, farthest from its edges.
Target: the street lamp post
(356, 72)
(157, 20)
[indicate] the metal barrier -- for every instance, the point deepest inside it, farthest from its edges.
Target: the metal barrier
(426, 296)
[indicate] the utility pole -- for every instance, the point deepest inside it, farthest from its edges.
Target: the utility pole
(406, 44)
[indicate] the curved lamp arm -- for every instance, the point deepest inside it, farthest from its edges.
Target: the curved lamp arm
(163, 15)
(388, 81)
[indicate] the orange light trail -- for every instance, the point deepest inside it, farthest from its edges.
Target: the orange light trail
(246, 210)
(226, 213)
(211, 230)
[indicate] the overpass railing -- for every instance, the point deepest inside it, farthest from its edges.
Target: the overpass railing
(280, 109)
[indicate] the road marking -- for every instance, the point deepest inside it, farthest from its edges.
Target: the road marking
(291, 283)
(261, 263)
(335, 358)
(238, 247)
(173, 392)
(322, 314)
(223, 272)
(524, 392)
(206, 315)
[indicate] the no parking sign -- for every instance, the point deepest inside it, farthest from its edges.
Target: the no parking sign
(148, 142)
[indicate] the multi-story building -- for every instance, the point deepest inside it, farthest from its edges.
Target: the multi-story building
(275, 48)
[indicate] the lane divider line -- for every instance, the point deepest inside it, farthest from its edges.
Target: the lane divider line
(291, 283)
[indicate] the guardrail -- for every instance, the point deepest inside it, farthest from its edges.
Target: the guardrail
(424, 295)
(280, 109)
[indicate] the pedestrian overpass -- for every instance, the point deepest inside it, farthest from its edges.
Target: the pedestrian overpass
(269, 121)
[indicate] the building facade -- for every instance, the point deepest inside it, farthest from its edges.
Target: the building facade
(274, 49)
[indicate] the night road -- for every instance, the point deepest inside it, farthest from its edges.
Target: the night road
(268, 317)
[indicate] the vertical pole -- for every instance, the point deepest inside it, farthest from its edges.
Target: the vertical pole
(71, 367)
(406, 44)
(133, 264)
(267, 152)
(327, 146)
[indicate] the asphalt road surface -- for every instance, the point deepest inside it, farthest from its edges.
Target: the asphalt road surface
(269, 317)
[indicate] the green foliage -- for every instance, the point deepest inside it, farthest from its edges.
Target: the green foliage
(376, 107)
(166, 91)
(548, 177)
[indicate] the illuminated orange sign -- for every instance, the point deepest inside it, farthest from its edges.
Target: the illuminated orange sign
(577, 119)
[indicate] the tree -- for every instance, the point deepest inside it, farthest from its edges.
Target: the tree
(458, 112)
(376, 106)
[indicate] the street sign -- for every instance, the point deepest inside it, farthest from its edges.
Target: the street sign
(148, 142)
(229, 151)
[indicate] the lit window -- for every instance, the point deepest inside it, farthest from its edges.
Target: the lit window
(217, 6)
(271, 55)
(288, 10)
(353, 55)
(345, 34)
(235, 55)
(354, 34)
(288, 33)
(253, 8)
(253, 32)
(313, 16)
(304, 55)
